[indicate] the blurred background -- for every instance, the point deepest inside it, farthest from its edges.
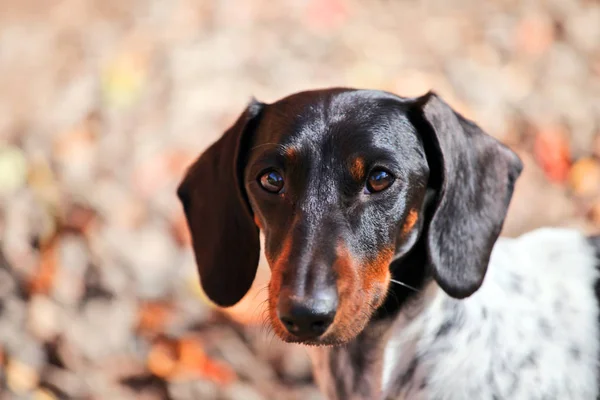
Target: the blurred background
(103, 104)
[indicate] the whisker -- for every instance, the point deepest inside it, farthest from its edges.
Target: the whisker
(404, 284)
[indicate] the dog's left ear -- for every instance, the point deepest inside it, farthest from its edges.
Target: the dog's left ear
(474, 176)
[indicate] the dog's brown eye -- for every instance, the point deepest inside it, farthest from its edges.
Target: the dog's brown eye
(271, 181)
(378, 180)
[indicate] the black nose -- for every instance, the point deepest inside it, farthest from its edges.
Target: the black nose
(307, 316)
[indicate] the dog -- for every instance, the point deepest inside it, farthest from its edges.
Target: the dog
(381, 218)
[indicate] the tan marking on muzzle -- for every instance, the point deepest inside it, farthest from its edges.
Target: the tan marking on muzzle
(411, 220)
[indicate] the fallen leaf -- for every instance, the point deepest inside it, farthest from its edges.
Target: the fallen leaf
(43, 394)
(191, 354)
(79, 219)
(584, 177)
(20, 377)
(534, 34)
(551, 150)
(153, 317)
(124, 78)
(194, 363)
(42, 181)
(162, 358)
(43, 318)
(43, 279)
(13, 169)
(185, 359)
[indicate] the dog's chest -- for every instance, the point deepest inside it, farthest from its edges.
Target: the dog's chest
(375, 366)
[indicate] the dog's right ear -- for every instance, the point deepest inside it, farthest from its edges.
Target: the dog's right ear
(224, 236)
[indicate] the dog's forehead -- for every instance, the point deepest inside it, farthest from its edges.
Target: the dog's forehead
(355, 117)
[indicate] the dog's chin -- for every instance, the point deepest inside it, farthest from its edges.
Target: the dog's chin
(334, 336)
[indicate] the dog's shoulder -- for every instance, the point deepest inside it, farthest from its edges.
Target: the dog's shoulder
(531, 328)
(543, 257)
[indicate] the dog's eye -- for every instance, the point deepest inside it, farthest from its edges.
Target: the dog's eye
(378, 180)
(271, 181)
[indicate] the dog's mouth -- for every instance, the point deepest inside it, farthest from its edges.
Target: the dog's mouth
(353, 314)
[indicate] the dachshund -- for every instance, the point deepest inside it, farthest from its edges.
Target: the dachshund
(381, 218)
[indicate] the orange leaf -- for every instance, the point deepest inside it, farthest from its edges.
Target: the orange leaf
(153, 317)
(584, 177)
(162, 358)
(551, 150)
(191, 353)
(218, 372)
(43, 280)
(195, 361)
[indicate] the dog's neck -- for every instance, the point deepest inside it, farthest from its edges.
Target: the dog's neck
(358, 369)
(412, 270)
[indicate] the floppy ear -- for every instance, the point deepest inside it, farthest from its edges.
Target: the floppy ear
(474, 176)
(224, 236)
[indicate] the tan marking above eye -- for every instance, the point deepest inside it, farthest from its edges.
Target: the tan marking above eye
(357, 169)
(291, 153)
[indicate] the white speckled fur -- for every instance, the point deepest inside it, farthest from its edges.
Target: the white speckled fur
(530, 331)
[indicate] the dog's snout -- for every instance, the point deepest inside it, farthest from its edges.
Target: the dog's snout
(308, 316)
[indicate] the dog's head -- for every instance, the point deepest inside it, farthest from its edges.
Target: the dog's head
(342, 182)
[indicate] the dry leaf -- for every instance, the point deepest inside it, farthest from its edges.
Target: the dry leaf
(535, 35)
(193, 363)
(79, 219)
(43, 279)
(551, 150)
(584, 177)
(13, 169)
(124, 78)
(42, 181)
(43, 394)
(185, 359)
(20, 377)
(153, 317)
(162, 358)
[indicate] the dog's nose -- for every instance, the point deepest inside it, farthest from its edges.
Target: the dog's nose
(308, 317)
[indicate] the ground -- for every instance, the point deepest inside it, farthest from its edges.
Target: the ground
(103, 104)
